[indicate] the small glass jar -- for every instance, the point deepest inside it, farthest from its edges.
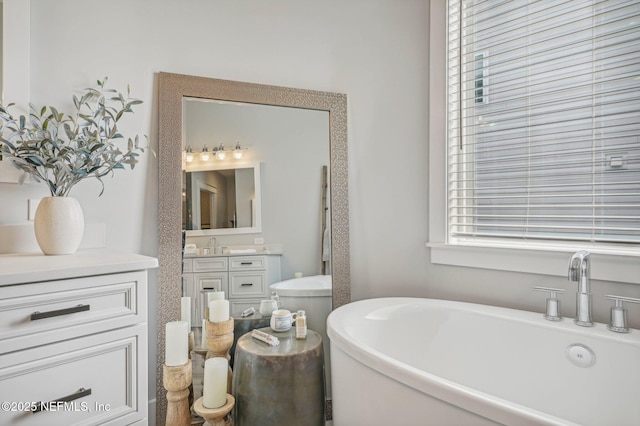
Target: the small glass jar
(301, 325)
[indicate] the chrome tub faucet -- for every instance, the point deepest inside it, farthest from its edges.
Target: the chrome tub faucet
(579, 271)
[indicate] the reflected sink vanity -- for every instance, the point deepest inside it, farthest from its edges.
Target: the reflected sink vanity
(245, 280)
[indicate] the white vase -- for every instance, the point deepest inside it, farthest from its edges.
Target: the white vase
(59, 225)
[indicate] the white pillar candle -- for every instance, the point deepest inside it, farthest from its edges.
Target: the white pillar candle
(214, 393)
(219, 310)
(176, 351)
(203, 338)
(185, 310)
(215, 295)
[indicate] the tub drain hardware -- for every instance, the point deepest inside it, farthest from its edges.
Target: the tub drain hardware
(581, 355)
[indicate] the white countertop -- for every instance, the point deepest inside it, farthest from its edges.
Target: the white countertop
(259, 253)
(23, 268)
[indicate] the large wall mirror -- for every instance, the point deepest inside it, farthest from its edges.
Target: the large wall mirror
(181, 99)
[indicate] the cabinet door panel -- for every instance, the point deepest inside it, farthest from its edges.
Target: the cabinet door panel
(99, 375)
(205, 283)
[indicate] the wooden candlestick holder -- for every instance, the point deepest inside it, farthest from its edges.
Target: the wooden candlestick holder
(192, 342)
(215, 416)
(176, 380)
(191, 348)
(219, 338)
(219, 341)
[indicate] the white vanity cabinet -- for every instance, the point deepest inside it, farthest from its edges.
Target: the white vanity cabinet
(245, 279)
(73, 338)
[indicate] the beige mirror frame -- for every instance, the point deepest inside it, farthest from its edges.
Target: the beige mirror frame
(171, 90)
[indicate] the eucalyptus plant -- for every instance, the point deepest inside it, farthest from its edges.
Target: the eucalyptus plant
(61, 150)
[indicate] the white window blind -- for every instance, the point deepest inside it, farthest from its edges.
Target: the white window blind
(544, 120)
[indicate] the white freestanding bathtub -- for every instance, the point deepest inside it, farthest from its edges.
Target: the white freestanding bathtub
(313, 295)
(410, 361)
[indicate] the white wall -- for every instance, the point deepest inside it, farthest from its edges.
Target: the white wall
(375, 51)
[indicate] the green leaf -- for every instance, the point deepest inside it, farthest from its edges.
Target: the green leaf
(35, 160)
(70, 133)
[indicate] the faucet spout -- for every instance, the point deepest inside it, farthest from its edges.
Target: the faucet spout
(579, 271)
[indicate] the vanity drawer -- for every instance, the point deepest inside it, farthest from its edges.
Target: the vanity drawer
(101, 372)
(247, 263)
(202, 284)
(44, 312)
(209, 264)
(247, 284)
(212, 281)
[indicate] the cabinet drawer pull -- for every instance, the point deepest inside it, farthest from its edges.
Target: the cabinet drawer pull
(246, 263)
(246, 284)
(66, 311)
(80, 393)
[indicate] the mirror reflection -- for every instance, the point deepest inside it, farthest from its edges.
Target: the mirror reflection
(226, 199)
(276, 191)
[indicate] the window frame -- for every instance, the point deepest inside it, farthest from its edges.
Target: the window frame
(608, 263)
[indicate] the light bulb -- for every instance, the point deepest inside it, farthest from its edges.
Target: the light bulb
(188, 155)
(204, 155)
(220, 153)
(237, 153)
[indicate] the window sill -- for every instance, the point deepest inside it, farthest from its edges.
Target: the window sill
(606, 265)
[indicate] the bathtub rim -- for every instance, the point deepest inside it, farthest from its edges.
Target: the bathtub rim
(469, 399)
(312, 289)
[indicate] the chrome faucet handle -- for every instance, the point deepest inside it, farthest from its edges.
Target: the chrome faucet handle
(553, 304)
(619, 313)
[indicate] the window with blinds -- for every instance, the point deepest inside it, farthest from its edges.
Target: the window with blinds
(544, 120)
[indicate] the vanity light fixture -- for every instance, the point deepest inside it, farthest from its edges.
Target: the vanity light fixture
(221, 154)
(188, 155)
(238, 152)
(218, 152)
(205, 155)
